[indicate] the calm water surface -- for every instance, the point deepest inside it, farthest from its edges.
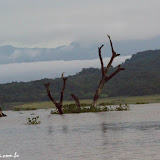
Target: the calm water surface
(120, 135)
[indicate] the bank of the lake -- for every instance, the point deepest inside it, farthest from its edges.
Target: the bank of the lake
(106, 101)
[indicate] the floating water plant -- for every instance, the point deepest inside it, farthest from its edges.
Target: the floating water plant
(33, 120)
(121, 107)
(72, 108)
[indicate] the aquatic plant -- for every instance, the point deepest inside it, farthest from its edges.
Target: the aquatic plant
(72, 108)
(68, 108)
(111, 109)
(33, 120)
(121, 107)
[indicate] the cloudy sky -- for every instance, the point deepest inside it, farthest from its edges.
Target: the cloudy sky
(52, 23)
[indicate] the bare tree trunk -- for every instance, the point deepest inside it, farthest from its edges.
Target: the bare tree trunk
(98, 91)
(104, 71)
(58, 105)
(76, 100)
(1, 114)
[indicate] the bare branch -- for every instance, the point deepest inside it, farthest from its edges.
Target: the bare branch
(64, 85)
(76, 100)
(114, 54)
(49, 93)
(101, 60)
(58, 105)
(114, 73)
(101, 46)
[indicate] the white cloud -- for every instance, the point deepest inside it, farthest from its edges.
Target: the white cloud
(48, 69)
(26, 52)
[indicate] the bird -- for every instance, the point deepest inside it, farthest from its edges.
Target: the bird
(62, 74)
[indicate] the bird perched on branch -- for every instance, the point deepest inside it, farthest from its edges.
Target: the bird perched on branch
(62, 75)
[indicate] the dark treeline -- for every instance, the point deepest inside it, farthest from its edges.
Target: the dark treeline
(141, 77)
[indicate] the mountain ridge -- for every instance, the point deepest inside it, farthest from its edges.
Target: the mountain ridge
(74, 51)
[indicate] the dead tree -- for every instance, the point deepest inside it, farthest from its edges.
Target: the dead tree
(76, 99)
(105, 77)
(60, 103)
(2, 114)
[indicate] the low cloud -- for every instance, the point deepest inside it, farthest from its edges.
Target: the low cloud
(48, 69)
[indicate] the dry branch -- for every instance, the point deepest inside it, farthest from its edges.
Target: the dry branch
(76, 99)
(60, 103)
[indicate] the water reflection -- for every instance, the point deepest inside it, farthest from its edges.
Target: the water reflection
(104, 127)
(65, 128)
(50, 130)
(141, 126)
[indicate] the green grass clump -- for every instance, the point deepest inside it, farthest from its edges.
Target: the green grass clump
(33, 120)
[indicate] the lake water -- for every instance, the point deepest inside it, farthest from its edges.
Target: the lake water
(118, 135)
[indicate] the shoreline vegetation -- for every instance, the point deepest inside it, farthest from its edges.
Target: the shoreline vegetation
(102, 102)
(72, 108)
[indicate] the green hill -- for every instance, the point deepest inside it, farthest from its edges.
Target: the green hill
(141, 77)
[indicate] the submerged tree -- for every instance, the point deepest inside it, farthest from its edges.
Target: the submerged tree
(105, 77)
(60, 103)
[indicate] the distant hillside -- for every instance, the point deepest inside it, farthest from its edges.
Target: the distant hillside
(74, 51)
(141, 77)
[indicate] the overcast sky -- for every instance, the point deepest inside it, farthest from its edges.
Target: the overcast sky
(51, 23)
